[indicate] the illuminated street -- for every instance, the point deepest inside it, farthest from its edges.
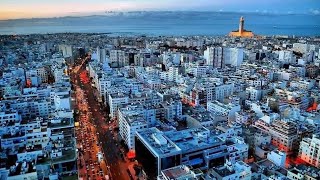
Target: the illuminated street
(92, 140)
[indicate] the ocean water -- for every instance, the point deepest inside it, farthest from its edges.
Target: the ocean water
(169, 23)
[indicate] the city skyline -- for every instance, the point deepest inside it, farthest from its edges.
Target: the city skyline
(15, 9)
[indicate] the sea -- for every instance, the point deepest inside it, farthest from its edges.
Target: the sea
(171, 23)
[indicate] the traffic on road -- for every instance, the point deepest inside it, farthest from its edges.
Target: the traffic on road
(100, 155)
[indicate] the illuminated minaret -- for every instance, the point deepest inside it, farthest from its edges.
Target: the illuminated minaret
(241, 24)
(241, 32)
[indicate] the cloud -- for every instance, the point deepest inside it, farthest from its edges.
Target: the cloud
(315, 11)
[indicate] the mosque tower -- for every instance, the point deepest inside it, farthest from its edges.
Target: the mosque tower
(241, 32)
(241, 24)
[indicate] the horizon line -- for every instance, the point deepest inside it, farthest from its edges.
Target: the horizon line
(105, 13)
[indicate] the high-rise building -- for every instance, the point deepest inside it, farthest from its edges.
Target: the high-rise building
(131, 119)
(286, 56)
(215, 57)
(173, 73)
(233, 56)
(118, 58)
(66, 50)
(218, 57)
(101, 53)
(115, 101)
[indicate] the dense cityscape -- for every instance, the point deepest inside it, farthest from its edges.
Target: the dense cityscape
(102, 106)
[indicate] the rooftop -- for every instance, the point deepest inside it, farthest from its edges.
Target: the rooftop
(178, 172)
(223, 171)
(158, 142)
(67, 155)
(192, 139)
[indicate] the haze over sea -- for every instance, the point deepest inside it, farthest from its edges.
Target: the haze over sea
(169, 23)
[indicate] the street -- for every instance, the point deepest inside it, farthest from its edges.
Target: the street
(95, 135)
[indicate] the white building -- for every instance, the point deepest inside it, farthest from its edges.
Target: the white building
(300, 47)
(103, 84)
(222, 91)
(229, 110)
(173, 109)
(218, 57)
(233, 56)
(215, 57)
(115, 101)
(173, 73)
(58, 74)
(118, 58)
(66, 50)
(238, 149)
(253, 94)
(261, 139)
(310, 150)
(101, 54)
(62, 102)
(277, 157)
(242, 117)
(130, 121)
(286, 56)
(154, 83)
(199, 70)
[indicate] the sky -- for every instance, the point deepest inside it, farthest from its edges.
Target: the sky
(13, 9)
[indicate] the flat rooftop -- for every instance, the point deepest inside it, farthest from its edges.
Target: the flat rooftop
(158, 143)
(135, 120)
(193, 139)
(67, 156)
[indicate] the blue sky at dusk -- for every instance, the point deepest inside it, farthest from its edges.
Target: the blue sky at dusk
(47, 8)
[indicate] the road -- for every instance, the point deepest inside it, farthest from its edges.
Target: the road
(110, 148)
(87, 143)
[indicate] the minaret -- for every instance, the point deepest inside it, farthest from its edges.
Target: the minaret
(241, 32)
(241, 24)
